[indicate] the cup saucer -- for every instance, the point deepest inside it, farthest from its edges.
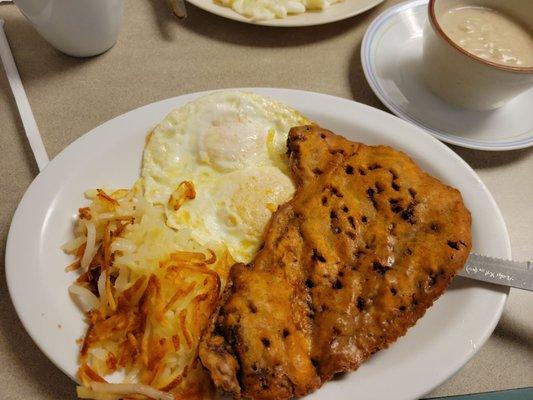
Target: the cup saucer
(391, 55)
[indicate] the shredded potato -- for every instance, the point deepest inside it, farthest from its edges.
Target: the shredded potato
(148, 292)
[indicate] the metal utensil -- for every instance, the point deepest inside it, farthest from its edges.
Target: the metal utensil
(26, 115)
(178, 8)
(501, 272)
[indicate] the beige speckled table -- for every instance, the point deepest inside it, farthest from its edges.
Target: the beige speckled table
(158, 57)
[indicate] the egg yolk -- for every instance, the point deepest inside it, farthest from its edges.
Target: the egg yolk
(232, 145)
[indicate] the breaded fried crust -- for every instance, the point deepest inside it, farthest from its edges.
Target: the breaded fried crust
(366, 245)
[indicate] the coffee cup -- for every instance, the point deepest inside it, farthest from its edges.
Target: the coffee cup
(463, 78)
(79, 28)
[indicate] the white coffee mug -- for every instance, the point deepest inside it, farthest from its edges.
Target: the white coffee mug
(463, 78)
(79, 28)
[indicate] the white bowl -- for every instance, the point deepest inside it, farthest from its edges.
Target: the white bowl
(463, 78)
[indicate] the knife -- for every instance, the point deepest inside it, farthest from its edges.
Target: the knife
(498, 271)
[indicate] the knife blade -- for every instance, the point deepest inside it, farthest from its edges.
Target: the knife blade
(499, 271)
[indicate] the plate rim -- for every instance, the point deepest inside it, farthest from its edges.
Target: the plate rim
(374, 83)
(287, 22)
(10, 268)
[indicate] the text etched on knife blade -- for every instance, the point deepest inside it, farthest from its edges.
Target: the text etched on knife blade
(488, 273)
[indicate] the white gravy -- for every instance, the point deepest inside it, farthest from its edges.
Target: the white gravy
(489, 34)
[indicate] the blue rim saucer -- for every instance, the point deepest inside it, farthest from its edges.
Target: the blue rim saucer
(391, 56)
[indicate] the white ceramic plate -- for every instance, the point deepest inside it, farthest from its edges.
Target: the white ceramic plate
(110, 155)
(337, 12)
(391, 55)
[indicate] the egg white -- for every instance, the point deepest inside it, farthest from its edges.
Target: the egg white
(232, 146)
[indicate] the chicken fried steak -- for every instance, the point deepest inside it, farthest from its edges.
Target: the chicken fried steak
(366, 245)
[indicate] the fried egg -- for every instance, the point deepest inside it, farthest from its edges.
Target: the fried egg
(232, 147)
